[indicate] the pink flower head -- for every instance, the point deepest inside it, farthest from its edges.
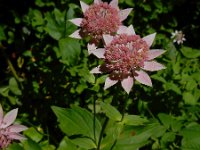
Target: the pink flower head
(126, 57)
(99, 18)
(8, 131)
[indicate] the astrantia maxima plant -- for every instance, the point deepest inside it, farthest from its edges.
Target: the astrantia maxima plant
(99, 18)
(8, 130)
(126, 58)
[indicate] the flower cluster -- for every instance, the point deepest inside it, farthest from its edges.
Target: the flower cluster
(8, 130)
(126, 56)
(99, 18)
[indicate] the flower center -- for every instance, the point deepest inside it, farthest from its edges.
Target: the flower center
(124, 55)
(100, 19)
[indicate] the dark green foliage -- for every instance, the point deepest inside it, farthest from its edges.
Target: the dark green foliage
(42, 68)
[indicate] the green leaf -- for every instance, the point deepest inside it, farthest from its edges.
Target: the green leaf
(165, 119)
(167, 137)
(13, 85)
(111, 112)
(57, 25)
(191, 137)
(45, 145)
(134, 142)
(66, 144)
(33, 134)
(31, 145)
(2, 34)
(189, 98)
(189, 52)
(172, 86)
(113, 131)
(76, 121)
(84, 143)
(69, 50)
(134, 120)
(15, 146)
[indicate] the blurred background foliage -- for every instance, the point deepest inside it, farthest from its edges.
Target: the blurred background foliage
(40, 67)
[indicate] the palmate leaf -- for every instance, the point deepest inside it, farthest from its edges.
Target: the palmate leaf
(78, 121)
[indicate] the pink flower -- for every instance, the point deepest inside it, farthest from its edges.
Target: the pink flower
(8, 130)
(126, 57)
(99, 18)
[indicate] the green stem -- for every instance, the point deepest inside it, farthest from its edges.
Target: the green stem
(123, 113)
(14, 72)
(12, 69)
(94, 119)
(101, 134)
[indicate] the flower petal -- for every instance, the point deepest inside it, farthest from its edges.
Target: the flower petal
(84, 6)
(99, 52)
(121, 30)
(127, 84)
(130, 30)
(16, 136)
(17, 128)
(149, 39)
(96, 70)
(123, 14)
(97, 1)
(153, 53)
(153, 66)
(91, 47)
(76, 21)
(107, 38)
(9, 118)
(114, 3)
(1, 114)
(143, 78)
(109, 83)
(76, 34)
